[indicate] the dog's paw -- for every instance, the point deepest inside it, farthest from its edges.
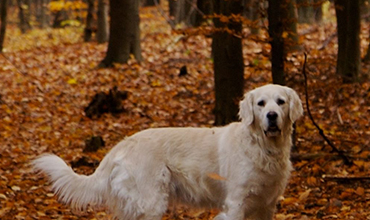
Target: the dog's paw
(221, 216)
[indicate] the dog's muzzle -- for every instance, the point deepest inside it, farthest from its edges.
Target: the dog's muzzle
(273, 129)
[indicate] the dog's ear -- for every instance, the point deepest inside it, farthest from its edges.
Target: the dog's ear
(246, 109)
(295, 106)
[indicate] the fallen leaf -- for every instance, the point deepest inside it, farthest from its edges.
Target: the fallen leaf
(216, 176)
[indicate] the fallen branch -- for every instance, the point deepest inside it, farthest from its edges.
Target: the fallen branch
(345, 178)
(312, 156)
(340, 153)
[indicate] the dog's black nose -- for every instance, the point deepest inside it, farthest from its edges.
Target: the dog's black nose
(272, 116)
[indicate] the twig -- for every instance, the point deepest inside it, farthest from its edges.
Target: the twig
(321, 132)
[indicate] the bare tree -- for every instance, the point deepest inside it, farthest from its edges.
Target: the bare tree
(103, 31)
(228, 61)
(3, 16)
(276, 29)
(89, 28)
(124, 36)
(24, 22)
(348, 28)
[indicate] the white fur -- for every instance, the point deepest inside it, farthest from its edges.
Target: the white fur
(236, 168)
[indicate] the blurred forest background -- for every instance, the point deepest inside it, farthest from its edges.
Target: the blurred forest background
(77, 76)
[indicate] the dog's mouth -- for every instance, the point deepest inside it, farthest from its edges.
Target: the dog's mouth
(272, 131)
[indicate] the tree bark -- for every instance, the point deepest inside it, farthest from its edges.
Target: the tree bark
(124, 37)
(205, 8)
(89, 21)
(289, 16)
(24, 23)
(318, 10)
(172, 5)
(276, 29)
(3, 11)
(44, 18)
(103, 31)
(252, 12)
(228, 62)
(147, 3)
(305, 11)
(348, 28)
(186, 11)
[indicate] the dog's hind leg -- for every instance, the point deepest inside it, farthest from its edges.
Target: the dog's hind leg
(155, 195)
(141, 194)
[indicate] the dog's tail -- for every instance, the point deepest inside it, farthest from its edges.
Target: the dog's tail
(75, 190)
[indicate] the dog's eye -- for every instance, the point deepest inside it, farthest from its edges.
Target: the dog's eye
(280, 102)
(261, 103)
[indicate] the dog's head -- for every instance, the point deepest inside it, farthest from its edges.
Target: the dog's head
(272, 108)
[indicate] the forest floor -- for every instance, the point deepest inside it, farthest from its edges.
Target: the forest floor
(48, 77)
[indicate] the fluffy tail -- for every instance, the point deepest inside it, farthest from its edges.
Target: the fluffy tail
(75, 190)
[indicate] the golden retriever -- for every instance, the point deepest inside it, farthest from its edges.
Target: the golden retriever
(241, 168)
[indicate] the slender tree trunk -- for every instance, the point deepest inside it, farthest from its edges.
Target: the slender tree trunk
(44, 18)
(318, 10)
(367, 56)
(24, 23)
(180, 11)
(305, 11)
(290, 18)
(146, 3)
(251, 11)
(172, 5)
(205, 8)
(3, 16)
(27, 12)
(124, 36)
(276, 29)
(184, 11)
(348, 27)
(228, 62)
(38, 6)
(89, 21)
(103, 31)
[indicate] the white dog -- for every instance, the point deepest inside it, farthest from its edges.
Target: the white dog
(241, 168)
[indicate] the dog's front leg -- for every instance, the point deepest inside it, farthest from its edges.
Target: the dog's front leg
(233, 208)
(264, 213)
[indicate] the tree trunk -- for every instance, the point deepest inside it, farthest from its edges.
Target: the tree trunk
(148, 3)
(44, 18)
(276, 29)
(289, 16)
(184, 11)
(317, 8)
(228, 62)
(252, 12)
(205, 8)
(103, 31)
(24, 23)
(124, 36)
(3, 16)
(367, 56)
(89, 21)
(172, 5)
(60, 16)
(305, 11)
(348, 27)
